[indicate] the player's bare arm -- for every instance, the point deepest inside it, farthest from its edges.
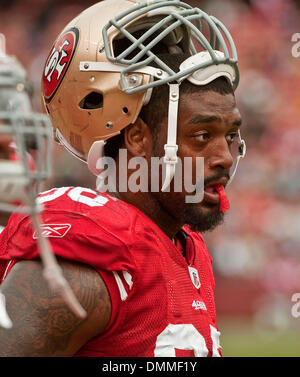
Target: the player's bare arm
(43, 325)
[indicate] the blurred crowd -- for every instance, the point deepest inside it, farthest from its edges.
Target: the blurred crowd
(260, 239)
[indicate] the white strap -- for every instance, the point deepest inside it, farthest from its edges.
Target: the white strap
(242, 155)
(95, 153)
(171, 147)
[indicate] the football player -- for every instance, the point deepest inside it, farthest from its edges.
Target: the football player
(153, 79)
(21, 131)
(22, 134)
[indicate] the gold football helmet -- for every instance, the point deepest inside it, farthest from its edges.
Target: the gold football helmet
(100, 71)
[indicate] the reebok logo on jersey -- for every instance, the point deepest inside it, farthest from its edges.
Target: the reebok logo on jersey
(199, 305)
(53, 230)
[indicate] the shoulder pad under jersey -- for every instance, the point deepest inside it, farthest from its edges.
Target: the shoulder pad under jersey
(81, 224)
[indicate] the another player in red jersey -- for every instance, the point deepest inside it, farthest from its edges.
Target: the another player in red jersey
(24, 133)
(16, 137)
(124, 84)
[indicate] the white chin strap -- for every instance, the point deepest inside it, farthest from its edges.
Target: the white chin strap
(242, 154)
(96, 152)
(171, 147)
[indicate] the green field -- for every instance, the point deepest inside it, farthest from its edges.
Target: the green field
(241, 338)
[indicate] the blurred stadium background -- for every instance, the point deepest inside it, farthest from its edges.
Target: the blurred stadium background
(257, 251)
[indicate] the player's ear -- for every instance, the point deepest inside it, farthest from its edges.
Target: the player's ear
(138, 139)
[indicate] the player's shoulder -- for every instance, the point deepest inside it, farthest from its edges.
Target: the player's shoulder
(79, 199)
(82, 225)
(89, 205)
(96, 208)
(78, 211)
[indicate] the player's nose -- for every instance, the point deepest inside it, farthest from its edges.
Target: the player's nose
(221, 156)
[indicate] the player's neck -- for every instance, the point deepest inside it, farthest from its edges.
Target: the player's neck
(152, 208)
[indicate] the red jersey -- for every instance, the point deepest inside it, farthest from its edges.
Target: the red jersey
(15, 157)
(162, 294)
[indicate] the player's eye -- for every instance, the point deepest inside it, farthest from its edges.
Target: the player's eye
(232, 137)
(202, 136)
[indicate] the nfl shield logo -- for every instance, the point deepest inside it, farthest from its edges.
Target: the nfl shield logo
(194, 277)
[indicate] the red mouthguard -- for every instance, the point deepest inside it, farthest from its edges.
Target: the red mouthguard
(225, 205)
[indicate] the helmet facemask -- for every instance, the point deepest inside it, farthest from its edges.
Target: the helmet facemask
(25, 131)
(20, 174)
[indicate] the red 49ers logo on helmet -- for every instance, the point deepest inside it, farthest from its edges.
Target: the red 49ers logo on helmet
(58, 62)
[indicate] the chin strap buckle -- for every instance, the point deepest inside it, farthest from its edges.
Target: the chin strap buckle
(171, 154)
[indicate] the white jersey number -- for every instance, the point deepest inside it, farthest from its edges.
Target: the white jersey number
(185, 337)
(76, 194)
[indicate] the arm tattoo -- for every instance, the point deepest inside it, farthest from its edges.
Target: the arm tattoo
(43, 325)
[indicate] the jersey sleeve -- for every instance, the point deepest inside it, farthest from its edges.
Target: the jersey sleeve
(98, 236)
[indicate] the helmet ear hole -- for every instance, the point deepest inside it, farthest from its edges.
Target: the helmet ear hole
(92, 101)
